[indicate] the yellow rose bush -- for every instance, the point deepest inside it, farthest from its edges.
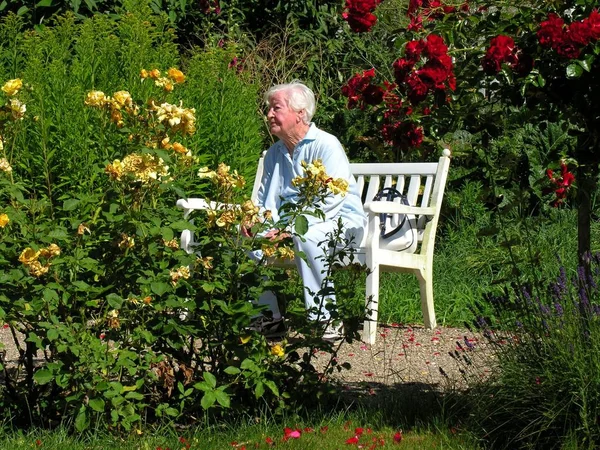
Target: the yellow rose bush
(130, 326)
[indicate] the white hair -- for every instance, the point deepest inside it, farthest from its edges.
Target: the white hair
(299, 97)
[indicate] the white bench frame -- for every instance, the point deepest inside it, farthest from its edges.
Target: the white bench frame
(424, 185)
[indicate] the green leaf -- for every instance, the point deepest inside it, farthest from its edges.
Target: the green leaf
(22, 11)
(301, 225)
(574, 71)
(231, 370)
(272, 387)
(3, 5)
(210, 379)
(52, 334)
(203, 386)
(134, 396)
(159, 288)
(208, 399)
(44, 3)
(114, 301)
(167, 233)
(43, 376)
(71, 204)
(259, 390)
(222, 398)
(82, 421)
(97, 404)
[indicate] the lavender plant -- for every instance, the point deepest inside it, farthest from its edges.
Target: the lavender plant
(544, 388)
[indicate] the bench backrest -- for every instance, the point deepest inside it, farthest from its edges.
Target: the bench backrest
(422, 182)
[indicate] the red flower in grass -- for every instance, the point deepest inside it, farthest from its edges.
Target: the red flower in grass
(561, 183)
(398, 437)
(288, 434)
(353, 440)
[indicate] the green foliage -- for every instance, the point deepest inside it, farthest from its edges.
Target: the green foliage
(545, 391)
(114, 323)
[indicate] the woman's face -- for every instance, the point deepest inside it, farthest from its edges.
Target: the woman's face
(282, 119)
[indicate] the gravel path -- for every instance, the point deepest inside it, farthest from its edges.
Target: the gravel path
(401, 354)
(404, 354)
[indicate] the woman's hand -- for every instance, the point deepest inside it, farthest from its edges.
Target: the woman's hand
(277, 235)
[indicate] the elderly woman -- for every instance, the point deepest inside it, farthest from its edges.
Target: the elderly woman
(290, 110)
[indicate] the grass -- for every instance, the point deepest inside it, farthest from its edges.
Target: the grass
(327, 433)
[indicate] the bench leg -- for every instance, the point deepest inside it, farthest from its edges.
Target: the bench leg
(426, 284)
(371, 305)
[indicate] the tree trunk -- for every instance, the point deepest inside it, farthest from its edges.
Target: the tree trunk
(587, 180)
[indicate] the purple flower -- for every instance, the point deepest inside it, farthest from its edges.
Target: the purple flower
(559, 309)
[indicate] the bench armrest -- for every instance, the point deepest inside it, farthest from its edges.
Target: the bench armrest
(377, 207)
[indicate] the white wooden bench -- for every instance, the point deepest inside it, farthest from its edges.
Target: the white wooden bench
(423, 184)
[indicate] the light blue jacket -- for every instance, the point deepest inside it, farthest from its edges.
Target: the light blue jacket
(280, 169)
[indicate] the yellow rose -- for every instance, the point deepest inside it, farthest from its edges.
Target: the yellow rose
(286, 253)
(12, 87)
(178, 148)
(122, 99)
(17, 108)
(4, 220)
(226, 219)
(28, 256)
(96, 98)
(50, 251)
(154, 73)
(176, 75)
(277, 350)
(4, 164)
(37, 270)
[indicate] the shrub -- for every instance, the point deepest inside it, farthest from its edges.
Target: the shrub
(544, 391)
(119, 324)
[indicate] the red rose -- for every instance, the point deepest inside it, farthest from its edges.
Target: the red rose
(435, 46)
(373, 95)
(580, 33)
(402, 68)
(413, 50)
(568, 49)
(360, 22)
(594, 24)
(417, 89)
(551, 31)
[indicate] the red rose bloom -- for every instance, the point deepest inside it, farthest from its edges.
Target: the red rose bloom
(580, 33)
(372, 95)
(413, 50)
(417, 89)
(359, 14)
(551, 31)
(404, 135)
(593, 23)
(360, 91)
(435, 46)
(503, 50)
(402, 68)
(568, 49)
